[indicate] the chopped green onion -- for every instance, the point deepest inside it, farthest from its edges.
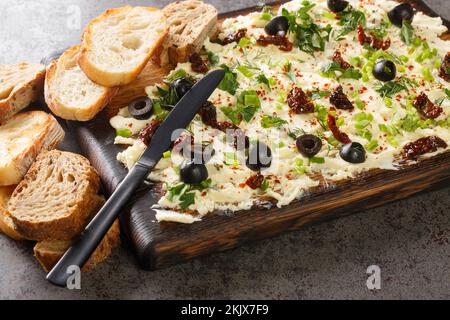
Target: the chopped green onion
(167, 154)
(124, 132)
(371, 146)
(318, 160)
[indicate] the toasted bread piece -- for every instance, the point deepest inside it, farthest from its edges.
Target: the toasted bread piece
(191, 22)
(6, 224)
(49, 252)
(118, 44)
(70, 94)
(22, 138)
(56, 197)
(20, 84)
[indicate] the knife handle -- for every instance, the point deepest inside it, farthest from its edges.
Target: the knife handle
(89, 240)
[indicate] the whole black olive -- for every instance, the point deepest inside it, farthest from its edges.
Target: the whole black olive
(277, 26)
(353, 152)
(141, 108)
(401, 12)
(199, 153)
(309, 145)
(384, 70)
(192, 173)
(181, 86)
(259, 156)
(337, 5)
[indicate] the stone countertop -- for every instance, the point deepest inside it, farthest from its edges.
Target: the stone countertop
(408, 240)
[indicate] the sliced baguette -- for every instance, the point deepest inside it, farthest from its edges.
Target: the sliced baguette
(70, 94)
(49, 252)
(20, 84)
(22, 138)
(6, 223)
(191, 22)
(56, 197)
(118, 44)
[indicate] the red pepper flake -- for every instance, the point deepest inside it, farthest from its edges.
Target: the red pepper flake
(283, 43)
(423, 146)
(337, 133)
(372, 40)
(298, 101)
(427, 108)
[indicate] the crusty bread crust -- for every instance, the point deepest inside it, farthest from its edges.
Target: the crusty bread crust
(6, 223)
(46, 137)
(72, 112)
(109, 78)
(56, 197)
(25, 92)
(191, 22)
(48, 253)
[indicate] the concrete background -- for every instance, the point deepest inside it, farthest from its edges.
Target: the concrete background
(409, 239)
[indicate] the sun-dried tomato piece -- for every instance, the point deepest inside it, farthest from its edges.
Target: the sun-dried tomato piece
(340, 100)
(208, 113)
(423, 146)
(444, 71)
(337, 133)
(255, 181)
(281, 41)
(427, 108)
(372, 40)
(299, 102)
(146, 134)
(235, 37)
(337, 57)
(197, 63)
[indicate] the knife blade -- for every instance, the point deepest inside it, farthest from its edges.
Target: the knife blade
(179, 118)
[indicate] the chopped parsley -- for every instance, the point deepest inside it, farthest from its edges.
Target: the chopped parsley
(407, 33)
(229, 82)
(329, 71)
(269, 82)
(318, 94)
(391, 88)
(309, 37)
(350, 19)
(247, 105)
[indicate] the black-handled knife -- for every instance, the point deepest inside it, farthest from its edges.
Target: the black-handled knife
(179, 118)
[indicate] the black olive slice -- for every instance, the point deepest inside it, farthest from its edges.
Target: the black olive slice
(192, 173)
(309, 145)
(259, 157)
(141, 108)
(181, 86)
(385, 70)
(353, 152)
(401, 12)
(337, 5)
(277, 26)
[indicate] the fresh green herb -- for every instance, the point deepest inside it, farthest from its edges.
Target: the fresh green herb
(309, 37)
(350, 19)
(180, 73)
(366, 134)
(186, 200)
(372, 145)
(389, 89)
(269, 82)
(407, 33)
(265, 185)
(168, 98)
(272, 122)
(266, 14)
(246, 71)
(229, 82)
(360, 104)
(231, 159)
(329, 71)
(167, 154)
(295, 133)
(212, 58)
(318, 94)
(205, 184)
(244, 42)
(321, 116)
(247, 105)
(126, 133)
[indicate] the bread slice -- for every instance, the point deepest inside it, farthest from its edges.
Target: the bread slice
(20, 84)
(22, 138)
(49, 252)
(70, 94)
(56, 197)
(118, 44)
(191, 22)
(6, 224)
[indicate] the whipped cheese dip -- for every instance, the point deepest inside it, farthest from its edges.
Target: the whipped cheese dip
(380, 121)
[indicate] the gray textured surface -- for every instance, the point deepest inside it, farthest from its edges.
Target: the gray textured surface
(409, 239)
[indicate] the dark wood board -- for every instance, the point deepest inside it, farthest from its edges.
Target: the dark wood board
(159, 245)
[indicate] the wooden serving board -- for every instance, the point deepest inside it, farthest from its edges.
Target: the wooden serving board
(159, 245)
